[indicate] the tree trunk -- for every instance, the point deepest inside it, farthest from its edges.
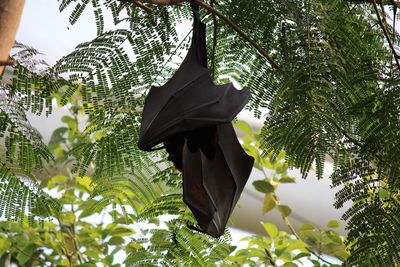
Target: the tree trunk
(10, 16)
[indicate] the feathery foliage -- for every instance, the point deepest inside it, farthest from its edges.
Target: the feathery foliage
(334, 96)
(21, 200)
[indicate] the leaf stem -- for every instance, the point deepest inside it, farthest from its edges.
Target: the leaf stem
(294, 232)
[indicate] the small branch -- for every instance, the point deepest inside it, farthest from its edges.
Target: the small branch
(214, 45)
(294, 232)
(386, 34)
(347, 135)
(141, 5)
(270, 258)
(383, 2)
(221, 16)
(165, 2)
(241, 33)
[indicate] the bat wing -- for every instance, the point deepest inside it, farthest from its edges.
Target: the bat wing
(189, 100)
(213, 177)
(191, 116)
(193, 67)
(203, 104)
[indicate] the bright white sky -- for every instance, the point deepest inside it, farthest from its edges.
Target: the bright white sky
(49, 31)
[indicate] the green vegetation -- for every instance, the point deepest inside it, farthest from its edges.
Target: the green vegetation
(322, 71)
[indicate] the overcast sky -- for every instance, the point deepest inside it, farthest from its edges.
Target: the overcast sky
(49, 31)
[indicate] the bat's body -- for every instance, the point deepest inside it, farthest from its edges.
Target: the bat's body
(192, 117)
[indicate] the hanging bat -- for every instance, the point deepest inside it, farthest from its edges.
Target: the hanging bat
(192, 117)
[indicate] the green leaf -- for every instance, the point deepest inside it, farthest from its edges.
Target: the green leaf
(88, 264)
(284, 210)
(58, 136)
(341, 254)
(296, 244)
(310, 237)
(263, 186)
(269, 203)
(56, 180)
(92, 254)
(26, 253)
(84, 184)
(122, 231)
(252, 151)
(271, 229)
(68, 217)
(384, 194)
(244, 127)
(4, 244)
(290, 264)
(287, 180)
(306, 227)
(316, 263)
(333, 224)
(301, 255)
(71, 122)
(116, 240)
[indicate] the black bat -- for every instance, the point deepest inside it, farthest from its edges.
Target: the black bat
(192, 117)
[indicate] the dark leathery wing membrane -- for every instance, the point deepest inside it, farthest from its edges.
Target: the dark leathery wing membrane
(215, 170)
(189, 100)
(192, 117)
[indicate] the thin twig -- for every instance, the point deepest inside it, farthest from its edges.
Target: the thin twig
(214, 45)
(172, 54)
(241, 33)
(386, 33)
(383, 2)
(294, 232)
(347, 135)
(271, 259)
(221, 16)
(165, 2)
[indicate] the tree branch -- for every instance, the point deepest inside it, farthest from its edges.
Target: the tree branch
(241, 33)
(141, 5)
(383, 2)
(396, 57)
(165, 2)
(221, 16)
